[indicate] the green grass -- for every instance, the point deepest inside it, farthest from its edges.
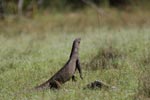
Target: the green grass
(31, 51)
(29, 59)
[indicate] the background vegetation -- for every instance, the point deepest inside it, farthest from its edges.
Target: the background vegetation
(30, 7)
(36, 41)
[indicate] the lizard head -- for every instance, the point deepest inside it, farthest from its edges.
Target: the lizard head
(76, 42)
(75, 46)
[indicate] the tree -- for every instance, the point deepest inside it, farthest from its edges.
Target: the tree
(119, 3)
(39, 3)
(20, 6)
(1, 10)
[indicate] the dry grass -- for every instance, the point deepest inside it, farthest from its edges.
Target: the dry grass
(87, 19)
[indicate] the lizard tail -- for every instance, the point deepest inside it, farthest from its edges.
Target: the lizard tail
(42, 86)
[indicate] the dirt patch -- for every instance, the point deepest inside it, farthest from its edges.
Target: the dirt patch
(106, 58)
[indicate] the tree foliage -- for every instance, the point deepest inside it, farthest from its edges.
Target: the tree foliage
(11, 6)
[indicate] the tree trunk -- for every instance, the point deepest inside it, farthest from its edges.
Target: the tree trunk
(39, 3)
(20, 7)
(1, 10)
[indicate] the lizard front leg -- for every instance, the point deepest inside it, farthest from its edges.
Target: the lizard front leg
(78, 66)
(74, 78)
(55, 84)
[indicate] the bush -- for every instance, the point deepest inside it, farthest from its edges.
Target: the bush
(106, 58)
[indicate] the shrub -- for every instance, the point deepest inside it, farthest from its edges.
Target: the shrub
(106, 58)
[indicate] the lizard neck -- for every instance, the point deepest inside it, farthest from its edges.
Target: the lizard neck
(74, 53)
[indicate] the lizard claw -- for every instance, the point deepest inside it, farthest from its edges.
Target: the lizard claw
(81, 77)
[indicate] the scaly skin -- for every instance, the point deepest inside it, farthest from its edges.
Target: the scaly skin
(66, 72)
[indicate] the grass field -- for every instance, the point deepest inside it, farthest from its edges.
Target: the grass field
(29, 57)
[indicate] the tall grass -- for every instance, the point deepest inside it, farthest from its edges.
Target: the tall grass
(27, 61)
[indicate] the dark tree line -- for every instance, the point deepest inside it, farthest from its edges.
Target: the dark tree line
(27, 7)
(1, 10)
